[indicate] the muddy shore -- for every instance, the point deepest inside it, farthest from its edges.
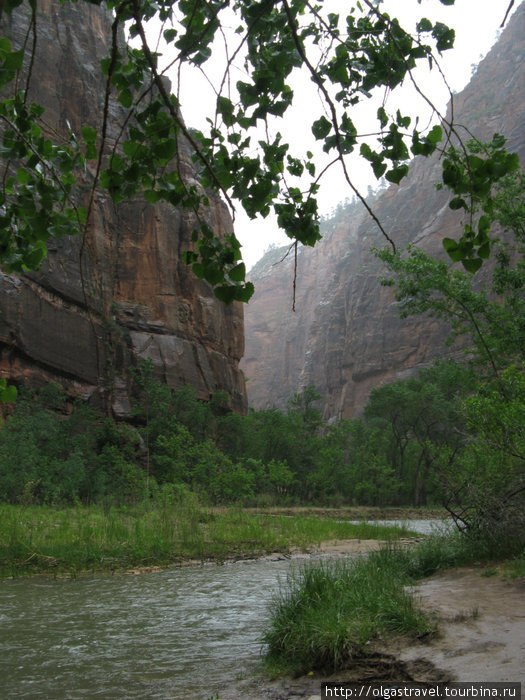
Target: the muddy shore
(481, 637)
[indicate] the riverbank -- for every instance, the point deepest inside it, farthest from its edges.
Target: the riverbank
(364, 513)
(165, 533)
(353, 616)
(481, 617)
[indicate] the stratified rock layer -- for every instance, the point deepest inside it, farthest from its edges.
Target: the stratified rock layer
(122, 293)
(346, 336)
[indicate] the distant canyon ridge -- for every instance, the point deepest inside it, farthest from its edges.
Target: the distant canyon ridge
(346, 337)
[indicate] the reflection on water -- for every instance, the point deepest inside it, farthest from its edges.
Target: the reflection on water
(175, 634)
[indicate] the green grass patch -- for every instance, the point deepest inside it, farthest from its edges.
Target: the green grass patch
(172, 528)
(330, 612)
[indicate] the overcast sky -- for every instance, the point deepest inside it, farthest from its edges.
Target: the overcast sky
(476, 23)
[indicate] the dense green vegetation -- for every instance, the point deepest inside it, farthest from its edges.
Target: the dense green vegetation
(458, 430)
(401, 452)
(171, 528)
(453, 435)
(241, 153)
(331, 610)
(473, 432)
(53, 451)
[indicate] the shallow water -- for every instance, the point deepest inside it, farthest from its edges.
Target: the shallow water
(173, 634)
(423, 527)
(176, 634)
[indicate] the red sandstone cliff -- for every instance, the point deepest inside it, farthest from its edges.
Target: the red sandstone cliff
(96, 306)
(346, 336)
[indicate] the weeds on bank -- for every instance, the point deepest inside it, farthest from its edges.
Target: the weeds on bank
(173, 527)
(329, 613)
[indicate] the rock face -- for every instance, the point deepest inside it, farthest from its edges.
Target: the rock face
(99, 304)
(346, 336)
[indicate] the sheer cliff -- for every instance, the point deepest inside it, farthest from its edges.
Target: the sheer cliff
(346, 336)
(122, 293)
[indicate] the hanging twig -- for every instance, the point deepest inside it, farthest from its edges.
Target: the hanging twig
(509, 8)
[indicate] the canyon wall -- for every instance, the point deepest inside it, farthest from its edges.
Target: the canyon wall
(346, 336)
(102, 302)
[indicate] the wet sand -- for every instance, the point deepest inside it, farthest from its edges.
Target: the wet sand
(482, 638)
(482, 623)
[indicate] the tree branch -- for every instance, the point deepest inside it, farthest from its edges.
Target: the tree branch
(318, 81)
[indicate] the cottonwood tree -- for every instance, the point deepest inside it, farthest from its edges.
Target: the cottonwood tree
(348, 58)
(484, 481)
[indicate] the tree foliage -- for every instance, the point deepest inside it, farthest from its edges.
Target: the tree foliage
(489, 311)
(483, 469)
(348, 58)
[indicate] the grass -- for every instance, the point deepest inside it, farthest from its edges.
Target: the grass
(329, 613)
(43, 539)
(515, 568)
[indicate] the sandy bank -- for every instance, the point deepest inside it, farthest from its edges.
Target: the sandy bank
(482, 638)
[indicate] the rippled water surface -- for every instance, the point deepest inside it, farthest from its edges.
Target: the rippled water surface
(174, 634)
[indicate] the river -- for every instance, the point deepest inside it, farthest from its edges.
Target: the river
(177, 634)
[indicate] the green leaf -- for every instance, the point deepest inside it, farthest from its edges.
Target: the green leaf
(169, 35)
(225, 293)
(484, 250)
(472, 264)
(198, 270)
(245, 293)
(458, 203)
(379, 169)
(321, 128)
(454, 251)
(10, 5)
(484, 225)
(125, 98)
(424, 25)
(366, 152)
(5, 47)
(237, 273)
(382, 116)
(89, 134)
(402, 121)
(397, 174)
(225, 109)
(152, 196)
(449, 244)
(444, 36)
(435, 134)
(8, 394)
(22, 176)
(14, 60)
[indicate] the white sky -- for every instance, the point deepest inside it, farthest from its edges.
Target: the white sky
(476, 23)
